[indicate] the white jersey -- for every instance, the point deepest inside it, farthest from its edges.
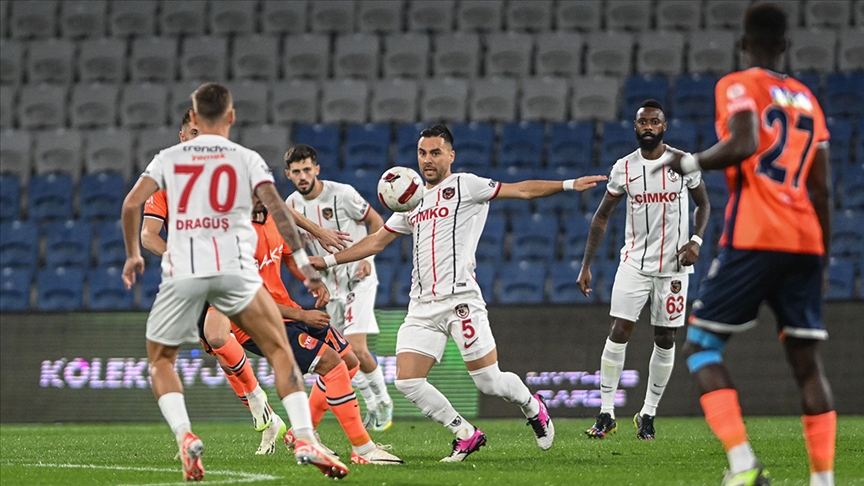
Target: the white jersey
(446, 225)
(209, 182)
(657, 213)
(339, 207)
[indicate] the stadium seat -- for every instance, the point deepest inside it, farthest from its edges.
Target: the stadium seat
(50, 197)
(10, 197)
(660, 52)
(485, 277)
(365, 181)
(707, 135)
(853, 186)
(402, 285)
(618, 141)
(812, 50)
(255, 56)
(850, 54)
(844, 95)
(334, 16)
(508, 53)
(456, 54)
(183, 18)
(575, 235)
(847, 235)
(107, 291)
(149, 286)
(295, 101)
(682, 135)
(521, 283)
(544, 99)
(632, 15)
(841, 280)
(68, 243)
(563, 288)
(394, 100)
(521, 144)
(42, 106)
(100, 196)
(570, 144)
(480, 15)
(60, 289)
(711, 51)
(250, 102)
(19, 244)
(406, 54)
(473, 142)
(604, 278)
(595, 98)
(693, 97)
(325, 140)
(493, 99)
(270, 141)
(381, 16)
(529, 15)
(133, 18)
(367, 146)
(724, 14)
(384, 294)
(357, 56)
(151, 141)
(679, 15)
(827, 13)
(609, 53)
(859, 14)
(280, 17)
(444, 100)
(640, 88)
(11, 61)
(15, 286)
(180, 100)
(306, 56)
(83, 18)
(344, 101)
(490, 248)
(110, 248)
(144, 105)
(102, 59)
(559, 53)
(33, 19)
(390, 255)
(153, 59)
(581, 15)
(407, 136)
(718, 190)
(204, 58)
(109, 151)
(16, 153)
(94, 105)
(534, 238)
(7, 97)
(235, 17)
(431, 15)
(841, 141)
(59, 151)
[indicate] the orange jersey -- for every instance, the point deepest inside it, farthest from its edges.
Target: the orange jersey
(268, 254)
(769, 208)
(157, 206)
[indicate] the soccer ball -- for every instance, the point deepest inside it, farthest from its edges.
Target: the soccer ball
(400, 189)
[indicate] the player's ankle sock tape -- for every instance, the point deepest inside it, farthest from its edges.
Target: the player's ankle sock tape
(712, 352)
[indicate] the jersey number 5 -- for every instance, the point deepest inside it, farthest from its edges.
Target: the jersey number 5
(215, 179)
(776, 116)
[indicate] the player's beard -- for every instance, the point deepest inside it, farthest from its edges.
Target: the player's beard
(308, 188)
(650, 143)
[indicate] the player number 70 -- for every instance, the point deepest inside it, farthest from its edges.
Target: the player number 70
(195, 172)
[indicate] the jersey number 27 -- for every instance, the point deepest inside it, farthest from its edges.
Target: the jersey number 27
(767, 166)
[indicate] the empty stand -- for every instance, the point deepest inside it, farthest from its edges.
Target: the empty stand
(33, 19)
(508, 54)
(595, 98)
(183, 18)
(827, 13)
(456, 54)
(521, 144)
(7, 110)
(563, 287)
(344, 100)
(42, 106)
(50, 197)
(151, 141)
(109, 151)
(529, 15)
(473, 142)
(725, 14)
(711, 51)
(493, 99)
(407, 136)
(100, 196)
(844, 95)
(678, 14)
(255, 57)
(59, 151)
(102, 59)
(406, 55)
(367, 146)
(144, 105)
(238, 17)
(68, 244)
(110, 248)
(332, 16)
(83, 18)
(153, 59)
(50, 61)
(19, 244)
(94, 105)
(10, 197)
(11, 61)
(295, 101)
(278, 16)
(106, 290)
(15, 285)
(559, 53)
(251, 102)
(60, 289)
(480, 15)
(544, 99)
(521, 283)
(133, 18)
(180, 100)
(306, 56)
(609, 53)
(204, 58)
(431, 15)
(570, 144)
(382, 16)
(661, 52)
(633, 15)
(324, 139)
(693, 97)
(444, 100)
(271, 142)
(356, 56)
(812, 50)
(394, 100)
(682, 134)
(850, 54)
(581, 15)
(16, 153)
(640, 88)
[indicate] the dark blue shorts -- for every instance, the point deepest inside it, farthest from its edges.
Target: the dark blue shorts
(740, 280)
(307, 342)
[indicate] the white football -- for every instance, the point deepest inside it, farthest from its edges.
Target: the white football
(400, 189)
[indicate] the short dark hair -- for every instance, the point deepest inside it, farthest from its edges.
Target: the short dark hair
(187, 118)
(299, 153)
(438, 131)
(211, 101)
(765, 28)
(652, 103)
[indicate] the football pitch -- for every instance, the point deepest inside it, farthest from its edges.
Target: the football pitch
(685, 453)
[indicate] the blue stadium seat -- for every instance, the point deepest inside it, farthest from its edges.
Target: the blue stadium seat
(696, 276)
(521, 283)
(107, 291)
(19, 244)
(366, 183)
(149, 284)
(473, 143)
(521, 144)
(841, 141)
(576, 235)
(110, 248)
(385, 273)
(402, 284)
(367, 146)
(561, 203)
(68, 244)
(847, 233)
(535, 238)
(10, 197)
(485, 276)
(811, 80)
(50, 197)
(15, 286)
(100, 195)
(604, 278)
(324, 139)
(407, 136)
(844, 95)
(391, 254)
(510, 175)
(490, 248)
(563, 288)
(853, 186)
(60, 289)
(841, 279)
(619, 139)
(718, 191)
(707, 135)
(593, 197)
(570, 144)
(640, 88)
(682, 135)
(693, 97)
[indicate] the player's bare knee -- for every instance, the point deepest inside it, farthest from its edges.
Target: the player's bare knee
(620, 330)
(329, 359)
(664, 337)
(350, 359)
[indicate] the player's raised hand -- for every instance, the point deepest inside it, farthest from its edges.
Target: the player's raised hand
(316, 318)
(132, 265)
(364, 269)
(322, 295)
(689, 253)
(332, 240)
(674, 162)
(587, 182)
(317, 262)
(584, 280)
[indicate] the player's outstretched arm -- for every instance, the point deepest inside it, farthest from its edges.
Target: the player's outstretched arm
(689, 253)
(150, 238)
(535, 189)
(130, 219)
(742, 142)
(330, 240)
(819, 187)
(599, 223)
(371, 245)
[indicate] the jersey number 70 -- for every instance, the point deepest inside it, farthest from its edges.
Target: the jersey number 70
(195, 172)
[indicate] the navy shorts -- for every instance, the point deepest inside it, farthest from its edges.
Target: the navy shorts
(307, 342)
(740, 280)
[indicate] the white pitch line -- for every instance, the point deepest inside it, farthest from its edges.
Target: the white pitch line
(240, 477)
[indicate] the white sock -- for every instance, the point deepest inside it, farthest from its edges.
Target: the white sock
(611, 365)
(365, 448)
(492, 381)
(823, 478)
(659, 371)
(173, 407)
(361, 381)
(297, 406)
(435, 405)
(376, 383)
(741, 458)
(256, 401)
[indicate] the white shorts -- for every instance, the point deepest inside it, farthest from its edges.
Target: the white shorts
(428, 324)
(668, 296)
(173, 319)
(355, 314)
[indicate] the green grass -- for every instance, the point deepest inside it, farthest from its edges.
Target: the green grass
(685, 453)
